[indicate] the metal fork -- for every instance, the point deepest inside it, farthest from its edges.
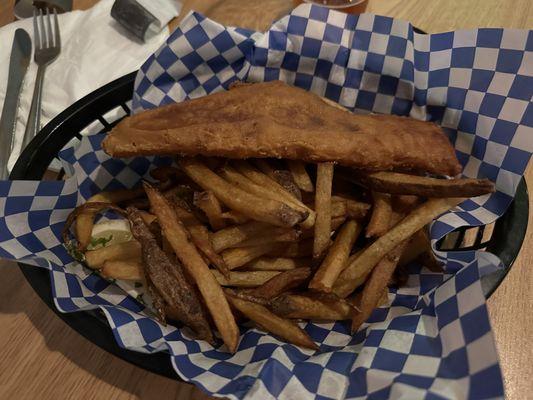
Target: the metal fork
(47, 48)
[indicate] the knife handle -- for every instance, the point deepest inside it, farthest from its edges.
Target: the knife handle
(33, 125)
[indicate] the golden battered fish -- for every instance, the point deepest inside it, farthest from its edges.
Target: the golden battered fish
(273, 119)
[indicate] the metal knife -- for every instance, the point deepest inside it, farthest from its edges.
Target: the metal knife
(18, 65)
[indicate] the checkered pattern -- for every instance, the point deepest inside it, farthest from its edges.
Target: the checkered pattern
(433, 340)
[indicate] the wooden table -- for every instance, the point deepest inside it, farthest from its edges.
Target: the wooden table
(43, 358)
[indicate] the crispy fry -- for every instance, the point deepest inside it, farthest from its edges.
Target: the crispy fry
(324, 178)
(355, 209)
(252, 233)
(417, 245)
(239, 256)
(247, 185)
(284, 178)
(244, 294)
(266, 210)
(303, 248)
(114, 252)
(338, 209)
(264, 181)
(200, 237)
(276, 264)
(360, 267)
(128, 269)
(335, 261)
(355, 300)
(381, 215)
(233, 235)
(405, 203)
(209, 288)
(209, 204)
(288, 235)
(300, 175)
(147, 217)
(375, 285)
(244, 279)
(235, 217)
(283, 328)
(341, 206)
(282, 282)
(336, 222)
(264, 166)
(85, 221)
(175, 296)
(307, 307)
(396, 183)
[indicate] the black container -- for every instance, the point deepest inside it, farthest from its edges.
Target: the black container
(505, 241)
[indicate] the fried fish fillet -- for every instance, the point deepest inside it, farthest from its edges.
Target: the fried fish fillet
(274, 119)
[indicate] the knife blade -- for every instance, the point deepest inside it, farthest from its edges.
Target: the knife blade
(18, 65)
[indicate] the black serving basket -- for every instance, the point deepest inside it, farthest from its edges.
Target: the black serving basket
(505, 240)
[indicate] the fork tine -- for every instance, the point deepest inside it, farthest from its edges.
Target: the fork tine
(42, 30)
(36, 30)
(49, 34)
(57, 38)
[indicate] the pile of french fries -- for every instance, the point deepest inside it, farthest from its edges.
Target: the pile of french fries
(274, 241)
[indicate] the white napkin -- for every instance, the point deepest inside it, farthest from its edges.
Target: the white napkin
(95, 50)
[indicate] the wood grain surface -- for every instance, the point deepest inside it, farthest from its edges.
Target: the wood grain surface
(44, 359)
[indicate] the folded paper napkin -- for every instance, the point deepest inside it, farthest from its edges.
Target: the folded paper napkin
(433, 340)
(95, 50)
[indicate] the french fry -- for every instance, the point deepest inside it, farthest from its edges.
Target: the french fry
(303, 248)
(417, 244)
(239, 256)
(354, 209)
(147, 217)
(209, 204)
(336, 222)
(335, 260)
(282, 282)
(200, 237)
(284, 178)
(85, 221)
(242, 182)
(235, 217)
(355, 300)
(289, 235)
(381, 215)
(264, 181)
(375, 285)
(114, 252)
(324, 178)
(306, 307)
(405, 203)
(300, 175)
(276, 264)
(362, 265)
(266, 210)
(193, 263)
(233, 235)
(283, 328)
(265, 167)
(244, 279)
(397, 183)
(128, 269)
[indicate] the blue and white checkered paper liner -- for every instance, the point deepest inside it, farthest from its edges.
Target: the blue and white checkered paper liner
(434, 340)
